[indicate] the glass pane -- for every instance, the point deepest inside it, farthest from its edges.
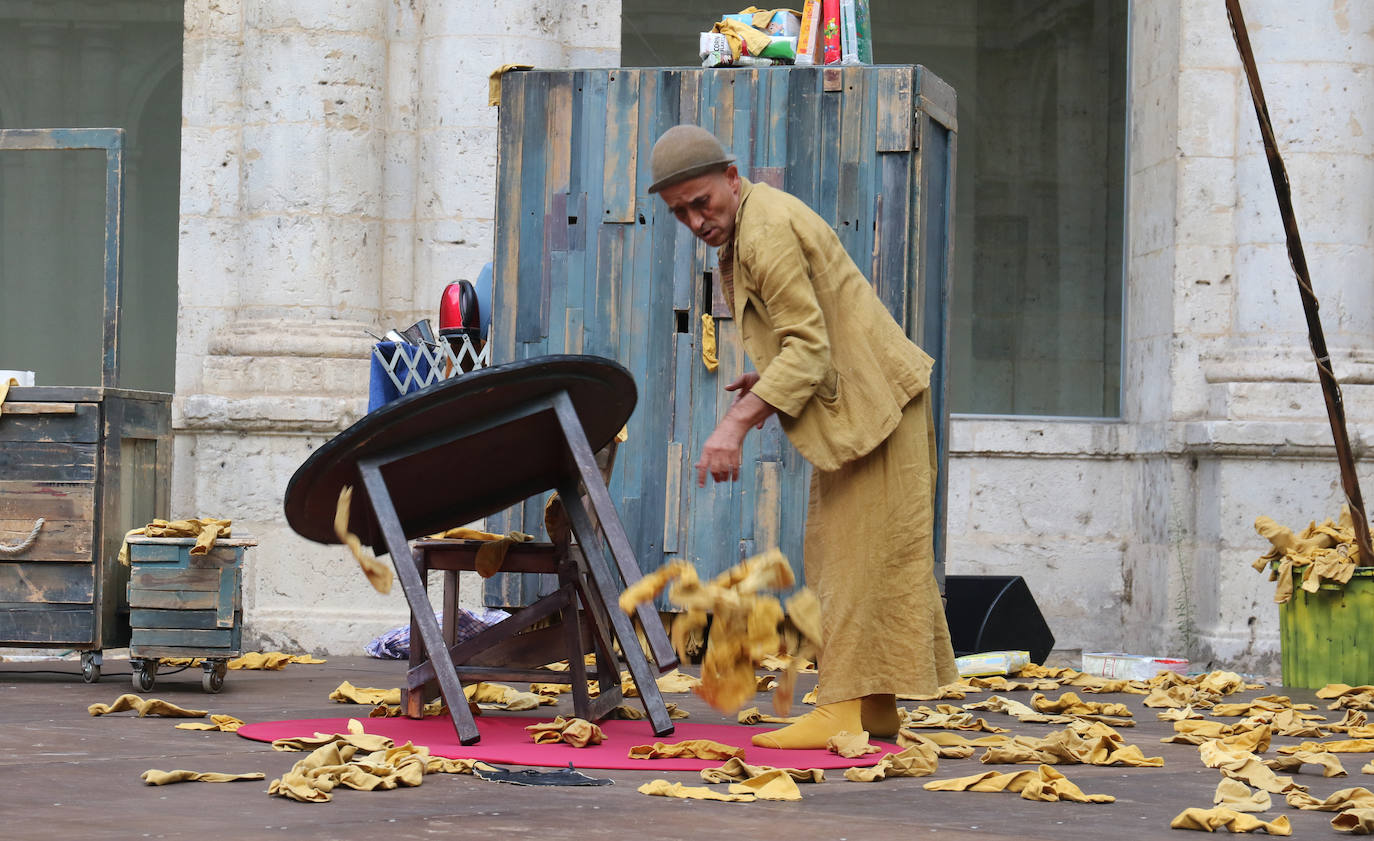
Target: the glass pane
(113, 64)
(1036, 292)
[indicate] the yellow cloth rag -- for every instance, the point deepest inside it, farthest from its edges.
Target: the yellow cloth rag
(741, 37)
(737, 770)
(222, 723)
(1354, 821)
(154, 777)
(206, 530)
(577, 732)
(851, 745)
(270, 660)
(693, 748)
(356, 738)
(1329, 763)
(752, 715)
(663, 788)
(1346, 798)
(378, 574)
(1044, 784)
(744, 629)
(494, 81)
(919, 760)
(708, 342)
(1237, 796)
(347, 693)
(770, 785)
(151, 706)
(1219, 817)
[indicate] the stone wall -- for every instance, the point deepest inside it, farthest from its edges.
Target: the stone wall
(1139, 535)
(337, 172)
(338, 167)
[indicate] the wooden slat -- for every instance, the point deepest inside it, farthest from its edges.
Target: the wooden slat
(506, 263)
(174, 579)
(58, 540)
(164, 553)
(672, 504)
(175, 599)
(50, 500)
(531, 312)
(49, 625)
(895, 112)
(50, 422)
(177, 651)
(622, 134)
(12, 408)
(185, 637)
(46, 583)
(32, 461)
(146, 618)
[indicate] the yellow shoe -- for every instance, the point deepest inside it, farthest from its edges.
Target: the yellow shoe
(878, 714)
(813, 730)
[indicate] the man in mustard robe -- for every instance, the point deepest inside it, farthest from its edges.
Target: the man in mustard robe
(852, 393)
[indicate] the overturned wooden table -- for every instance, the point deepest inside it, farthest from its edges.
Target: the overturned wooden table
(466, 448)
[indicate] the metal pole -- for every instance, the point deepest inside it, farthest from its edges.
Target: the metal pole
(1331, 390)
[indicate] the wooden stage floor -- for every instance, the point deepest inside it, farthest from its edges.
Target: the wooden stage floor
(69, 775)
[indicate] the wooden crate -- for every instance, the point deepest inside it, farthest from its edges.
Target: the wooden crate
(183, 605)
(92, 463)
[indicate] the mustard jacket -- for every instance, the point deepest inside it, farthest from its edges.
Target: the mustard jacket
(831, 359)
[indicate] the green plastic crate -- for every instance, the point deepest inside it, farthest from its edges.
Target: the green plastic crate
(1325, 636)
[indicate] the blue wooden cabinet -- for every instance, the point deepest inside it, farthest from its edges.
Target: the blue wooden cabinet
(184, 605)
(586, 261)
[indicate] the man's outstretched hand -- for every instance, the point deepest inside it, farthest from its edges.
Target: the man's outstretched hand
(724, 449)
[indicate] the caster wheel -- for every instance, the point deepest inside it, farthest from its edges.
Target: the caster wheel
(212, 680)
(90, 667)
(144, 675)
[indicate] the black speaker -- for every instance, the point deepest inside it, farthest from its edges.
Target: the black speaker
(995, 613)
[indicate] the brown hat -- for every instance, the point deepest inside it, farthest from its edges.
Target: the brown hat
(683, 152)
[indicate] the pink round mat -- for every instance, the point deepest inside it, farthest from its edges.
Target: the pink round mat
(505, 741)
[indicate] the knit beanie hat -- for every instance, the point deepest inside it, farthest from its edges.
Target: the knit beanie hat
(683, 152)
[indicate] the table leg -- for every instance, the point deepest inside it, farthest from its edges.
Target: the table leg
(414, 588)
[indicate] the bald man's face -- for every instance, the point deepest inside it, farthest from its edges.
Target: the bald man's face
(706, 204)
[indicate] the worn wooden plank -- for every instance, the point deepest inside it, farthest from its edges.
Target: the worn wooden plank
(166, 553)
(601, 332)
(82, 425)
(228, 597)
(174, 579)
(506, 262)
(531, 312)
(50, 624)
(145, 418)
(802, 178)
(37, 461)
(853, 200)
(672, 504)
(180, 651)
(46, 583)
(185, 637)
(767, 505)
(895, 110)
(51, 500)
(146, 618)
(13, 408)
(58, 540)
(622, 147)
(892, 263)
(175, 599)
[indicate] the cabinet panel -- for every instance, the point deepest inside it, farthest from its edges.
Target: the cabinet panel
(588, 262)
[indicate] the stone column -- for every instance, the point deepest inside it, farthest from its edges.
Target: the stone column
(338, 169)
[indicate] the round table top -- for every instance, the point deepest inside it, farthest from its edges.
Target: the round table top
(455, 482)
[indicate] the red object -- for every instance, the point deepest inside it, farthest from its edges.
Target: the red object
(830, 31)
(458, 306)
(505, 741)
